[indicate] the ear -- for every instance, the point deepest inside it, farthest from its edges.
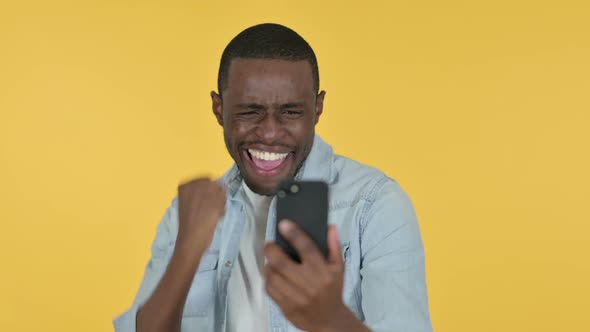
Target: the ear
(217, 109)
(319, 105)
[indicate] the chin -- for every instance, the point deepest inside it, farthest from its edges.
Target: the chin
(267, 189)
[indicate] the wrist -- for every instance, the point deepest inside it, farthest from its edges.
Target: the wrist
(191, 243)
(188, 253)
(344, 321)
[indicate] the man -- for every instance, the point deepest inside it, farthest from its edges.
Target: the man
(214, 266)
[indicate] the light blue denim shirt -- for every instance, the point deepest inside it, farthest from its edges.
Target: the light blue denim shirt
(384, 281)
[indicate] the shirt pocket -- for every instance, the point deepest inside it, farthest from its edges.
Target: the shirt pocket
(200, 301)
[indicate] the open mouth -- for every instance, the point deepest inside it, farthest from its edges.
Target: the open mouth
(267, 163)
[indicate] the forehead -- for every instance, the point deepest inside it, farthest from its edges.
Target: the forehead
(255, 79)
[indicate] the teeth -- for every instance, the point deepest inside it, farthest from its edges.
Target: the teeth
(267, 155)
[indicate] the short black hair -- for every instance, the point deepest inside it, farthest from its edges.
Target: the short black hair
(267, 41)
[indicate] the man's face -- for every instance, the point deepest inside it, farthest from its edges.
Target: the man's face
(268, 113)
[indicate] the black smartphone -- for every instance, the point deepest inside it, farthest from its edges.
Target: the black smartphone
(306, 204)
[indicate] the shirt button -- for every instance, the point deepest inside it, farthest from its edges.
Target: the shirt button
(228, 264)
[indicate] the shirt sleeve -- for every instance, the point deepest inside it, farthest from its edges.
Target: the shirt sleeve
(160, 257)
(394, 294)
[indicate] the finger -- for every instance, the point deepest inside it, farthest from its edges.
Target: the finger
(334, 251)
(305, 247)
(281, 290)
(187, 181)
(279, 261)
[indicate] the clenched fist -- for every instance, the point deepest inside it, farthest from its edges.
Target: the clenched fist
(201, 204)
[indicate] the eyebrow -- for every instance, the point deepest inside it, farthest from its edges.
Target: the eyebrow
(259, 106)
(292, 105)
(250, 106)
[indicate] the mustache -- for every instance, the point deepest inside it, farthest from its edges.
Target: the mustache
(274, 143)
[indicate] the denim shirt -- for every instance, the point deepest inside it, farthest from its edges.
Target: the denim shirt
(384, 278)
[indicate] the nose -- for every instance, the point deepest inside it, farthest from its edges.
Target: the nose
(269, 128)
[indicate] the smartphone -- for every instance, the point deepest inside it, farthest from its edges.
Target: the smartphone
(306, 204)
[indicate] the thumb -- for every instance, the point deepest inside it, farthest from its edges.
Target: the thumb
(334, 251)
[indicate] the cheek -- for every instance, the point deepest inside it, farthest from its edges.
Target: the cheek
(302, 130)
(239, 130)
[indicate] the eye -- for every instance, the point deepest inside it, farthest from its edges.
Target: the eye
(248, 114)
(291, 113)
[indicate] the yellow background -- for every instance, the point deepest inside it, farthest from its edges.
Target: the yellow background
(481, 110)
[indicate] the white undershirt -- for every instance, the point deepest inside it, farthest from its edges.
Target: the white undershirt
(246, 310)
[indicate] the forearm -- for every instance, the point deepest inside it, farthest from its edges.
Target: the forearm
(163, 310)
